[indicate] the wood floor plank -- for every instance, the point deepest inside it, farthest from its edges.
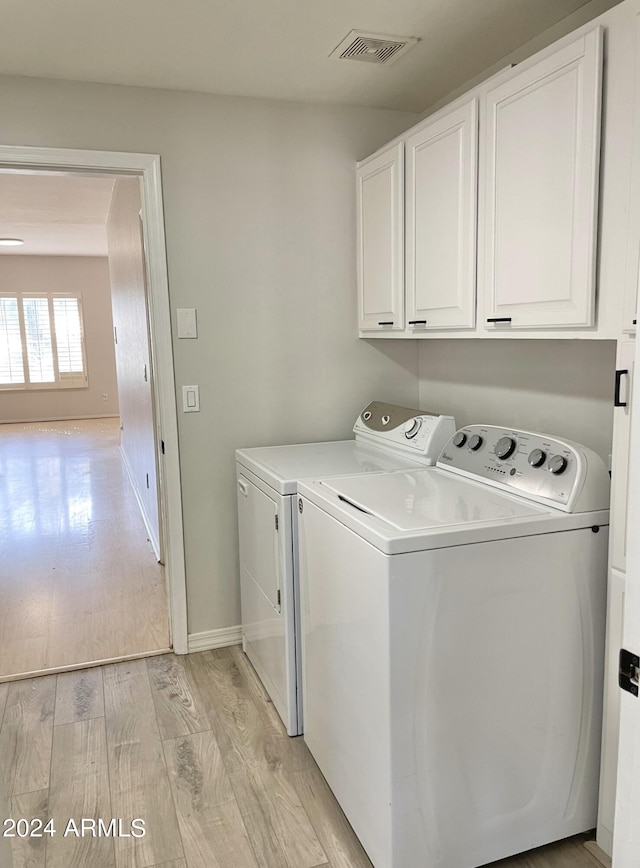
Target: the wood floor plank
(332, 828)
(4, 690)
(569, 853)
(137, 771)
(178, 705)
(253, 687)
(26, 735)
(79, 789)
(6, 860)
(253, 752)
(178, 863)
(29, 852)
(79, 696)
(293, 752)
(213, 833)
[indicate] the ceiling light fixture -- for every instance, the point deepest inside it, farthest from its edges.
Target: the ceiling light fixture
(11, 242)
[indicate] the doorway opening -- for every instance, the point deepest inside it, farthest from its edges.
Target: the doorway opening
(144, 483)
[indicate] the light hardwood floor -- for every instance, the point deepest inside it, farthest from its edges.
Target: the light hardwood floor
(191, 745)
(78, 579)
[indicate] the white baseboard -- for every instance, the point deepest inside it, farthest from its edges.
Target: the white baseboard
(58, 418)
(151, 531)
(220, 638)
(599, 855)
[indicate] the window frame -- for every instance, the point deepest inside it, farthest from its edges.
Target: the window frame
(66, 381)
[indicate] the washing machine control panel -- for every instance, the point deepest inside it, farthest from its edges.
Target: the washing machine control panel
(535, 466)
(419, 435)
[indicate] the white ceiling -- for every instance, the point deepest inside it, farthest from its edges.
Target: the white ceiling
(56, 215)
(270, 48)
(275, 49)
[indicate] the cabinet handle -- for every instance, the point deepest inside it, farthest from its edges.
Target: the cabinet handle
(499, 319)
(417, 322)
(616, 396)
(634, 321)
(386, 323)
(244, 488)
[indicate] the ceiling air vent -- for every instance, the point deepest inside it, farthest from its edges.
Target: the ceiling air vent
(372, 47)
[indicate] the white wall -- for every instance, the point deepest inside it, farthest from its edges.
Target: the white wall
(260, 222)
(581, 16)
(88, 276)
(135, 399)
(554, 387)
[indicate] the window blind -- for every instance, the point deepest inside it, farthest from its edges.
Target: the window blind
(41, 341)
(37, 329)
(11, 364)
(68, 328)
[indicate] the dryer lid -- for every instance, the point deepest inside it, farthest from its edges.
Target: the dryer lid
(282, 466)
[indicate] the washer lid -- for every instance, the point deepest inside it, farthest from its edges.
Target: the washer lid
(430, 508)
(282, 466)
(420, 500)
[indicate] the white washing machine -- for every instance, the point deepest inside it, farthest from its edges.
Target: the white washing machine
(387, 438)
(452, 647)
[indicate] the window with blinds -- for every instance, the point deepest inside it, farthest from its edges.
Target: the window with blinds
(41, 341)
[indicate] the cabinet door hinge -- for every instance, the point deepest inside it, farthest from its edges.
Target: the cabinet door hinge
(629, 671)
(277, 525)
(279, 598)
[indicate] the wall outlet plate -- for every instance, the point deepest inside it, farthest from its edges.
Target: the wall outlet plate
(187, 325)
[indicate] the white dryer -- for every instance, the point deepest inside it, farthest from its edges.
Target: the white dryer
(452, 647)
(387, 438)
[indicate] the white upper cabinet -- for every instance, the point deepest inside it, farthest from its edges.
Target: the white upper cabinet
(441, 226)
(380, 255)
(540, 188)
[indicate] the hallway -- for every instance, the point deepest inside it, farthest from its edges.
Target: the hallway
(78, 579)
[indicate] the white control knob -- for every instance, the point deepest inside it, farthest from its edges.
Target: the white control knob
(412, 427)
(558, 464)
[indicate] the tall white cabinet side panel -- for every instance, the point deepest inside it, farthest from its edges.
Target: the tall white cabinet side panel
(626, 832)
(441, 220)
(380, 234)
(610, 712)
(620, 487)
(541, 189)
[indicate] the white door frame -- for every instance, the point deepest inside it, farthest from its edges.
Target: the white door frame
(147, 167)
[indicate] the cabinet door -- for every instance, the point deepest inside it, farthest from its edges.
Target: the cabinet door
(441, 226)
(541, 163)
(380, 204)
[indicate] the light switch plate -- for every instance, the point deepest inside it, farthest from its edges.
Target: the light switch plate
(187, 325)
(190, 399)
